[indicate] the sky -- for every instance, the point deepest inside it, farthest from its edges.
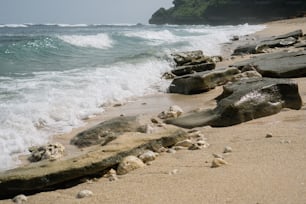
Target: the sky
(79, 11)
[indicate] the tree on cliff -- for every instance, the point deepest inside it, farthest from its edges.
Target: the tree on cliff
(218, 12)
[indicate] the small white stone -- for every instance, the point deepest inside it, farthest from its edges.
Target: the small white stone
(227, 149)
(148, 156)
(20, 199)
(84, 194)
(218, 162)
(129, 164)
(173, 172)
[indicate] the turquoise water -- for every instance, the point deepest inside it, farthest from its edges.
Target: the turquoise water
(54, 76)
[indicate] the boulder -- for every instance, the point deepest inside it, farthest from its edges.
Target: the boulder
(278, 65)
(245, 100)
(107, 131)
(189, 69)
(202, 81)
(181, 58)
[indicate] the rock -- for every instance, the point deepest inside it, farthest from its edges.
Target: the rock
(185, 143)
(202, 81)
(295, 34)
(247, 75)
(227, 149)
(148, 156)
(202, 143)
(249, 49)
(195, 147)
(235, 38)
(189, 69)
(148, 129)
(269, 135)
(154, 121)
(278, 65)
(300, 44)
(243, 101)
(168, 75)
(107, 131)
(273, 43)
(171, 151)
(218, 162)
(111, 175)
(216, 59)
(84, 194)
(48, 152)
(19, 199)
(181, 58)
(173, 112)
(46, 176)
(173, 172)
(129, 164)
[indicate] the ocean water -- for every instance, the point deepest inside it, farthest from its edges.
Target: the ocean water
(53, 76)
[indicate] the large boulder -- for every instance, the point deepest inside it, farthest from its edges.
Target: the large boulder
(278, 65)
(107, 131)
(245, 100)
(202, 81)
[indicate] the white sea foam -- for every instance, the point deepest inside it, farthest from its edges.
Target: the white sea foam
(154, 37)
(13, 26)
(101, 41)
(55, 102)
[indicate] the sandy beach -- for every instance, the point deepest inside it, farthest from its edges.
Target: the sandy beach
(260, 170)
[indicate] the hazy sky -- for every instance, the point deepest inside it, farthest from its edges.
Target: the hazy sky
(79, 11)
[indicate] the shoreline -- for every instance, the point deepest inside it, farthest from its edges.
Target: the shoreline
(247, 139)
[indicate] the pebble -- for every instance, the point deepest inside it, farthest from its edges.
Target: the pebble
(148, 156)
(218, 162)
(84, 194)
(269, 135)
(154, 121)
(129, 164)
(227, 149)
(173, 172)
(20, 199)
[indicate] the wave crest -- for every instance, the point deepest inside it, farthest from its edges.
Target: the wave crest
(100, 41)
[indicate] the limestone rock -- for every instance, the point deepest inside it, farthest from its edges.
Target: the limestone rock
(48, 152)
(247, 75)
(148, 156)
(278, 65)
(243, 101)
(84, 194)
(189, 69)
(107, 131)
(173, 112)
(218, 162)
(202, 81)
(129, 164)
(181, 58)
(19, 199)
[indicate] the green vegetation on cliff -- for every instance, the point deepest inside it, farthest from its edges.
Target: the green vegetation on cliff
(218, 12)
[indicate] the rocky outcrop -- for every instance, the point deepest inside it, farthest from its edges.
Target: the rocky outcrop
(107, 131)
(202, 81)
(278, 65)
(245, 100)
(284, 40)
(46, 152)
(46, 175)
(230, 12)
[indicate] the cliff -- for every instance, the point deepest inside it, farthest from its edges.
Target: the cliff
(228, 12)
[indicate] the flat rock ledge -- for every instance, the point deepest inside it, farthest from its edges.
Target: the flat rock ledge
(278, 65)
(245, 100)
(46, 175)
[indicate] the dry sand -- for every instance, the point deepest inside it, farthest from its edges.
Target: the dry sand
(260, 170)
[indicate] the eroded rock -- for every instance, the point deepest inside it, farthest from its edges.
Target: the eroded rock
(243, 101)
(84, 194)
(46, 152)
(202, 81)
(218, 162)
(20, 199)
(107, 131)
(129, 164)
(148, 156)
(173, 112)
